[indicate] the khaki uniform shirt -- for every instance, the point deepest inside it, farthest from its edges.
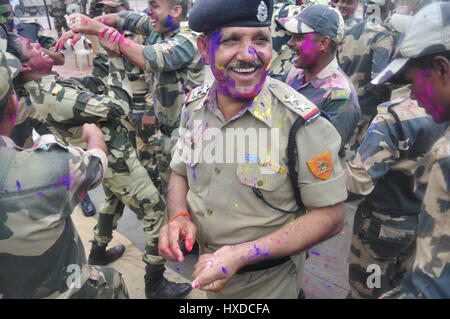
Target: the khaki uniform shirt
(220, 197)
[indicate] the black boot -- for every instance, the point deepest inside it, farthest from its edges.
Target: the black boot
(102, 257)
(87, 206)
(158, 287)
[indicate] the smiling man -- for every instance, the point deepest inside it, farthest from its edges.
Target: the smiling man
(425, 65)
(243, 211)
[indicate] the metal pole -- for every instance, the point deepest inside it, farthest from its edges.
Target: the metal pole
(48, 18)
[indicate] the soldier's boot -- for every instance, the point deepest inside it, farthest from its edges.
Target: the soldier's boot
(101, 257)
(158, 287)
(87, 206)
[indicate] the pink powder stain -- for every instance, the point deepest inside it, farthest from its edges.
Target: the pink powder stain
(427, 98)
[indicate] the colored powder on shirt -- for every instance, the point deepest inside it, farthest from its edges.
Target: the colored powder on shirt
(314, 252)
(19, 187)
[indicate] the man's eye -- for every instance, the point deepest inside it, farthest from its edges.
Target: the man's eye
(230, 40)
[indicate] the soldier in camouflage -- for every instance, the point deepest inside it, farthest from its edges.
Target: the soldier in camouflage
(383, 171)
(316, 32)
(58, 11)
(172, 59)
(282, 55)
(364, 52)
(348, 9)
(426, 65)
(68, 103)
(141, 137)
(41, 253)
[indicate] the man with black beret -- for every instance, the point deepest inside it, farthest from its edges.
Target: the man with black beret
(243, 210)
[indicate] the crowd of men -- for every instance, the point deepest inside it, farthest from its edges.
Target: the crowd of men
(240, 127)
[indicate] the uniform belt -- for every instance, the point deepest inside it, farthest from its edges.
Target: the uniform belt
(166, 130)
(264, 265)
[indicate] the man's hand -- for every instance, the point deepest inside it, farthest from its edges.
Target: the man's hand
(82, 24)
(147, 121)
(93, 136)
(171, 234)
(213, 271)
(75, 37)
(108, 19)
(109, 39)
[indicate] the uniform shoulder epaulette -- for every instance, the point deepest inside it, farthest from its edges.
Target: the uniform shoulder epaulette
(197, 93)
(294, 100)
(384, 107)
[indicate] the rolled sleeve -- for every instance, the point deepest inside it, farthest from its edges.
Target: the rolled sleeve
(315, 139)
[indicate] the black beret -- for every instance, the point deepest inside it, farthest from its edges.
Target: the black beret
(207, 15)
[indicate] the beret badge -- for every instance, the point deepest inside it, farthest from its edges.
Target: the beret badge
(262, 12)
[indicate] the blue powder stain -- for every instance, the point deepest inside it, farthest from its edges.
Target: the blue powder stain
(266, 254)
(177, 269)
(19, 187)
(194, 176)
(224, 270)
(314, 252)
(258, 251)
(65, 180)
(5, 191)
(372, 128)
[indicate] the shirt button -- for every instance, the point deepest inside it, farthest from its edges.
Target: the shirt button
(209, 212)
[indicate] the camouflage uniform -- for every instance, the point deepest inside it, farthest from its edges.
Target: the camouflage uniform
(175, 68)
(384, 169)
(282, 54)
(67, 104)
(58, 11)
(27, 120)
(40, 251)
(142, 139)
(333, 93)
(430, 275)
(364, 52)
(93, 10)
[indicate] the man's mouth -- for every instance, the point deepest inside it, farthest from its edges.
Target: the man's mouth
(244, 70)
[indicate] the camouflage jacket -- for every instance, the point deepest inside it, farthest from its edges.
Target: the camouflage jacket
(333, 93)
(135, 75)
(351, 22)
(282, 54)
(174, 64)
(364, 52)
(41, 254)
(392, 154)
(67, 104)
(58, 8)
(27, 120)
(430, 275)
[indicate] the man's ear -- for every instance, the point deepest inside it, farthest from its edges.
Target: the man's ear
(25, 67)
(202, 44)
(442, 68)
(325, 43)
(177, 11)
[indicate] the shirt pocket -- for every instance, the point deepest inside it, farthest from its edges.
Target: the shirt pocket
(263, 178)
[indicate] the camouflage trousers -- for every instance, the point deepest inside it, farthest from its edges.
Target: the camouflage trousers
(359, 134)
(381, 245)
(163, 155)
(135, 189)
(143, 140)
(60, 23)
(103, 283)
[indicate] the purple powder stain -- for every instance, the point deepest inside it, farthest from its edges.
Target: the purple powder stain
(169, 24)
(372, 128)
(177, 269)
(224, 270)
(5, 191)
(40, 194)
(266, 254)
(257, 250)
(19, 187)
(194, 176)
(65, 180)
(314, 252)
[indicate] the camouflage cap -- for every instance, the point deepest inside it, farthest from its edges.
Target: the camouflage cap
(112, 3)
(317, 18)
(9, 68)
(427, 33)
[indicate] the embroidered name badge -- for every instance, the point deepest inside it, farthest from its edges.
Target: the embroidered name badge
(321, 166)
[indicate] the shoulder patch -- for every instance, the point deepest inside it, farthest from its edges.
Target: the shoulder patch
(294, 100)
(384, 107)
(197, 93)
(321, 166)
(58, 88)
(340, 94)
